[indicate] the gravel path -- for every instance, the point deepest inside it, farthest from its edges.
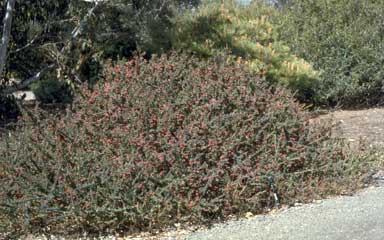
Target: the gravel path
(360, 217)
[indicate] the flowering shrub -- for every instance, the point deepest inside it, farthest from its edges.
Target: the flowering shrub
(175, 139)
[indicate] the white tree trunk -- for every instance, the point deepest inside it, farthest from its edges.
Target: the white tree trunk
(7, 25)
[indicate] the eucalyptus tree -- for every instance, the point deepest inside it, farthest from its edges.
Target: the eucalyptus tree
(37, 39)
(62, 35)
(64, 39)
(41, 38)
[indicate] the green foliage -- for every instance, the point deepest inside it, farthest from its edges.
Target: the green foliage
(35, 25)
(124, 26)
(52, 91)
(175, 139)
(344, 39)
(42, 35)
(248, 33)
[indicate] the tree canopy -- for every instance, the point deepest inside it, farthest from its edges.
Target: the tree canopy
(42, 32)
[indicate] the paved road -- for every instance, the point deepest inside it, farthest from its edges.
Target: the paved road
(360, 217)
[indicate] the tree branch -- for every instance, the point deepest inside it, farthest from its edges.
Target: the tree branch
(79, 29)
(37, 36)
(25, 83)
(25, 46)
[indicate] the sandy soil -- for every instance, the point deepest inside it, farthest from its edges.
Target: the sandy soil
(356, 125)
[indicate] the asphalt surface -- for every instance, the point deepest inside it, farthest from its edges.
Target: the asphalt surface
(358, 217)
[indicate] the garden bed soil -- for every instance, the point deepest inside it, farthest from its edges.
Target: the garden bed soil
(365, 125)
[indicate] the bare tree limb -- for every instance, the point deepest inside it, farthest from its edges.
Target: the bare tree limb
(25, 46)
(79, 29)
(25, 83)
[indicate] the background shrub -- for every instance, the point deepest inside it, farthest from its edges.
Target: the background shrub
(343, 39)
(175, 139)
(246, 32)
(52, 91)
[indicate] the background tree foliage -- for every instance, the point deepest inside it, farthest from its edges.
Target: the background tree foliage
(117, 28)
(37, 26)
(42, 34)
(343, 39)
(249, 33)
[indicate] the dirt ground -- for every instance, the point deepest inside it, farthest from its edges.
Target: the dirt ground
(356, 125)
